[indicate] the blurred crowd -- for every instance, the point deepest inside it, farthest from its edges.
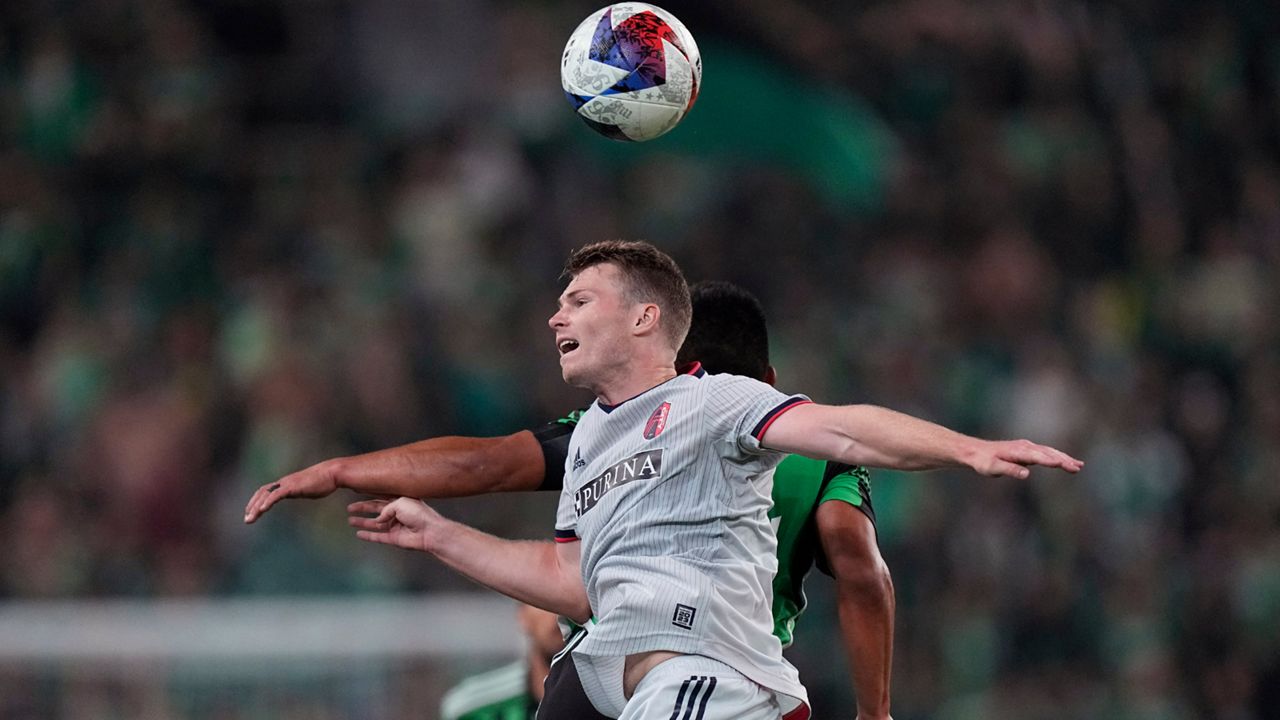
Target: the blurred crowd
(238, 237)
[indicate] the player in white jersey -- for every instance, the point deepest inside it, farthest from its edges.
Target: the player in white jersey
(675, 552)
(686, 565)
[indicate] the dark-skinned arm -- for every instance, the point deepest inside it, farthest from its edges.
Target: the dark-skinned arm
(435, 468)
(865, 601)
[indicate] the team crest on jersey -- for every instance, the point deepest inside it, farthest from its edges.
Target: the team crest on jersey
(657, 421)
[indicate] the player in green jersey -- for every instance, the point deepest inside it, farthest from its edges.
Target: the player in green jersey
(511, 692)
(728, 335)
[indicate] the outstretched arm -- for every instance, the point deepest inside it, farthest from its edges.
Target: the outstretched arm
(542, 574)
(434, 468)
(878, 437)
(865, 602)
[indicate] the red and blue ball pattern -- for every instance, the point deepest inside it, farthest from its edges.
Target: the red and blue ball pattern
(636, 45)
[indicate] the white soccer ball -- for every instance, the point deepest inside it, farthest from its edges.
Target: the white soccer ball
(631, 71)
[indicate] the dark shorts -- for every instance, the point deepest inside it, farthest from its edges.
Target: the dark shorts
(564, 698)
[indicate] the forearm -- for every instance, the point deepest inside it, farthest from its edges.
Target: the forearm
(445, 467)
(879, 437)
(865, 602)
(868, 435)
(866, 626)
(533, 572)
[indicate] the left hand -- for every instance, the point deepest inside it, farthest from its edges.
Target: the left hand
(995, 458)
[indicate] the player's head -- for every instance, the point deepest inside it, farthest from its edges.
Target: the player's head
(728, 333)
(647, 276)
(624, 300)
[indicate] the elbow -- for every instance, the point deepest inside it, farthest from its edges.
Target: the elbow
(574, 605)
(849, 540)
(843, 446)
(580, 612)
(867, 584)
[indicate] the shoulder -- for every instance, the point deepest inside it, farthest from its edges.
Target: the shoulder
(558, 428)
(723, 381)
(736, 391)
(573, 418)
(505, 685)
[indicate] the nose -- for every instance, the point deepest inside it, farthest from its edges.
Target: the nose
(556, 321)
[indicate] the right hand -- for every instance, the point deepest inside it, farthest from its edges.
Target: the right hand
(317, 481)
(405, 522)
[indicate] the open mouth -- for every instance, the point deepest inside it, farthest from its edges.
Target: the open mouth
(567, 346)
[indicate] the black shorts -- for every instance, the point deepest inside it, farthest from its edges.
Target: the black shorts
(564, 698)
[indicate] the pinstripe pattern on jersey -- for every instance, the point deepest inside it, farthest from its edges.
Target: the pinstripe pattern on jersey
(758, 431)
(697, 535)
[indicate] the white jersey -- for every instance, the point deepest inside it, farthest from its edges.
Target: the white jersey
(669, 494)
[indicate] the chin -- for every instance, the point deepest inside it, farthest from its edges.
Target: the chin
(569, 374)
(575, 376)
(575, 380)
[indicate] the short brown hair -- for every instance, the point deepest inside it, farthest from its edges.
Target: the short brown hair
(650, 275)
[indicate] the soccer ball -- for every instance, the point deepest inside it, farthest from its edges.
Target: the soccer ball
(631, 71)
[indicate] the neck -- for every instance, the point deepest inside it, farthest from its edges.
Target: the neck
(634, 382)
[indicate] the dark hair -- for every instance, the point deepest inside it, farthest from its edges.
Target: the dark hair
(728, 334)
(650, 275)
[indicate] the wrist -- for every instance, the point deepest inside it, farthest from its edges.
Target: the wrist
(335, 469)
(435, 534)
(968, 451)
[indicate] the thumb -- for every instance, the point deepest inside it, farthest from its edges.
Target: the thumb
(999, 467)
(388, 512)
(1012, 470)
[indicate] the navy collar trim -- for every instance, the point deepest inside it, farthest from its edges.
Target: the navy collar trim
(695, 370)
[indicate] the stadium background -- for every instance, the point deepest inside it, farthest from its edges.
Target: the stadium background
(240, 236)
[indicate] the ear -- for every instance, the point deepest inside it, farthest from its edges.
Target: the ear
(647, 317)
(771, 376)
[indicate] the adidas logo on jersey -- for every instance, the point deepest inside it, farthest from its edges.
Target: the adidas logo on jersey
(578, 462)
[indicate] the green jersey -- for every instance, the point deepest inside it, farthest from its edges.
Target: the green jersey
(501, 694)
(800, 485)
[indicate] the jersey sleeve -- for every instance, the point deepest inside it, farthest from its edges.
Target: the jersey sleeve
(741, 409)
(849, 484)
(566, 510)
(566, 518)
(554, 439)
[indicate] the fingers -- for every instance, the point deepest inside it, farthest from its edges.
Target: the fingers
(1025, 452)
(251, 508)
(382, 510)
(262, 501)
(368, 507)
(368, 523)
(376, 537)
(1013, 457)
(1068, 463)
(1003, 468)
